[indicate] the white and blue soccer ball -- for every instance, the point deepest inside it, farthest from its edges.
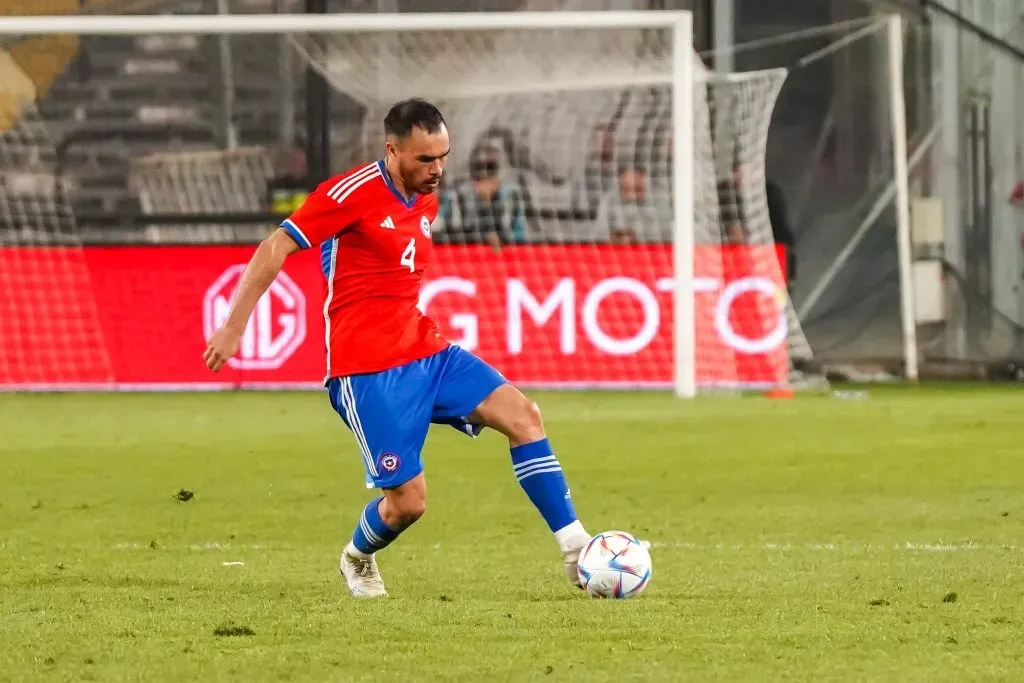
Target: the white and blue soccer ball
(614, 564)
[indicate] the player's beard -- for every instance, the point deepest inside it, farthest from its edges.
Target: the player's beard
(413, 184)
(429, 185)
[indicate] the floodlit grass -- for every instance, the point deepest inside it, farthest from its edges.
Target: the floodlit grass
(815, 539)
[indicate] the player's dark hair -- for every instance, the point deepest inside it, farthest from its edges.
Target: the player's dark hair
(414, 113)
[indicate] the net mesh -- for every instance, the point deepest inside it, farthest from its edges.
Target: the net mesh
(564, 137)
(204, 182)
(737, 204)
(555, 230)
(48, 320)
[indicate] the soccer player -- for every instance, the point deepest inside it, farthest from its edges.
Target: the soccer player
(390, 373)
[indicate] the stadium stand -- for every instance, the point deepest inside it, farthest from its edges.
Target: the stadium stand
(83, 107)
(106, 101)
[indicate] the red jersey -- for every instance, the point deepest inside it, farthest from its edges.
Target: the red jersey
(374, 247)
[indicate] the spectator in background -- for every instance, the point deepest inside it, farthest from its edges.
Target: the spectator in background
(486, 208)
(734, 222)
(598, 177)
(730, 208)
(632, 212)
(291, 182)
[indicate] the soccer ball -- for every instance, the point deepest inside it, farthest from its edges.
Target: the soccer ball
(614, 564)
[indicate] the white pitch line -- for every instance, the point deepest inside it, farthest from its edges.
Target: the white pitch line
(842, 546)
(828, 546)
(191, 546)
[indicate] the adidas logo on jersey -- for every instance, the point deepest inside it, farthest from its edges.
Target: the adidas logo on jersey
(388, 223)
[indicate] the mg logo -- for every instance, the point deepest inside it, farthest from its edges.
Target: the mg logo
(276, 329)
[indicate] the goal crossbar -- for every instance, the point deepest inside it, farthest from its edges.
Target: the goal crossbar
(110, 25)
(647, 109)
(677, 68)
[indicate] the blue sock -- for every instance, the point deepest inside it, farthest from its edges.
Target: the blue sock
(372, 534)
(540, 475)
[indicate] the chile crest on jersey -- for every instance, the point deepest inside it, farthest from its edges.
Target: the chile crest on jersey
(375, 248)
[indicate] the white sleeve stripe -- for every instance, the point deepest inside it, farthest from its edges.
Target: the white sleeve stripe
(353, 179)
(355, 186)
(291, 224)
(350, 178)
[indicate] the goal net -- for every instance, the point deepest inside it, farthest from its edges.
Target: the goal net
(49, 325)
(557, 206)
(565, 211)
(199, 182)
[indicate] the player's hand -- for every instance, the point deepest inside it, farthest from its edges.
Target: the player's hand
(222, 345)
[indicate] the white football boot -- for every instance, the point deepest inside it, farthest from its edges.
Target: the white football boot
(571, 560)
(362, 576)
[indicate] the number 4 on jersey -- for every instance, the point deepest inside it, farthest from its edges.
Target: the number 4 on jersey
(409, 255)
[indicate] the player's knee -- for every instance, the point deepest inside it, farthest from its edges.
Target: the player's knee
(410, 512)
(527, 425)
(405, 510)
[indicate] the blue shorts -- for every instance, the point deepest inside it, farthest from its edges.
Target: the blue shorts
(390, 411)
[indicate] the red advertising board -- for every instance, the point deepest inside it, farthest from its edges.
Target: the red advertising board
(137, 317)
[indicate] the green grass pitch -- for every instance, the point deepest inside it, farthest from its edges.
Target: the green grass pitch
(814, 539)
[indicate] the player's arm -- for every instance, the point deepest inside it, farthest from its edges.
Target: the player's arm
(257, 277)
(318, 219)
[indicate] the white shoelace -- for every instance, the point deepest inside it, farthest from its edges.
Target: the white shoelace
(366, 571)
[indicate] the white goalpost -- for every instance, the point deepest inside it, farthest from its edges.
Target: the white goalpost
(901, 172)
(896, 193)
(644, 255)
